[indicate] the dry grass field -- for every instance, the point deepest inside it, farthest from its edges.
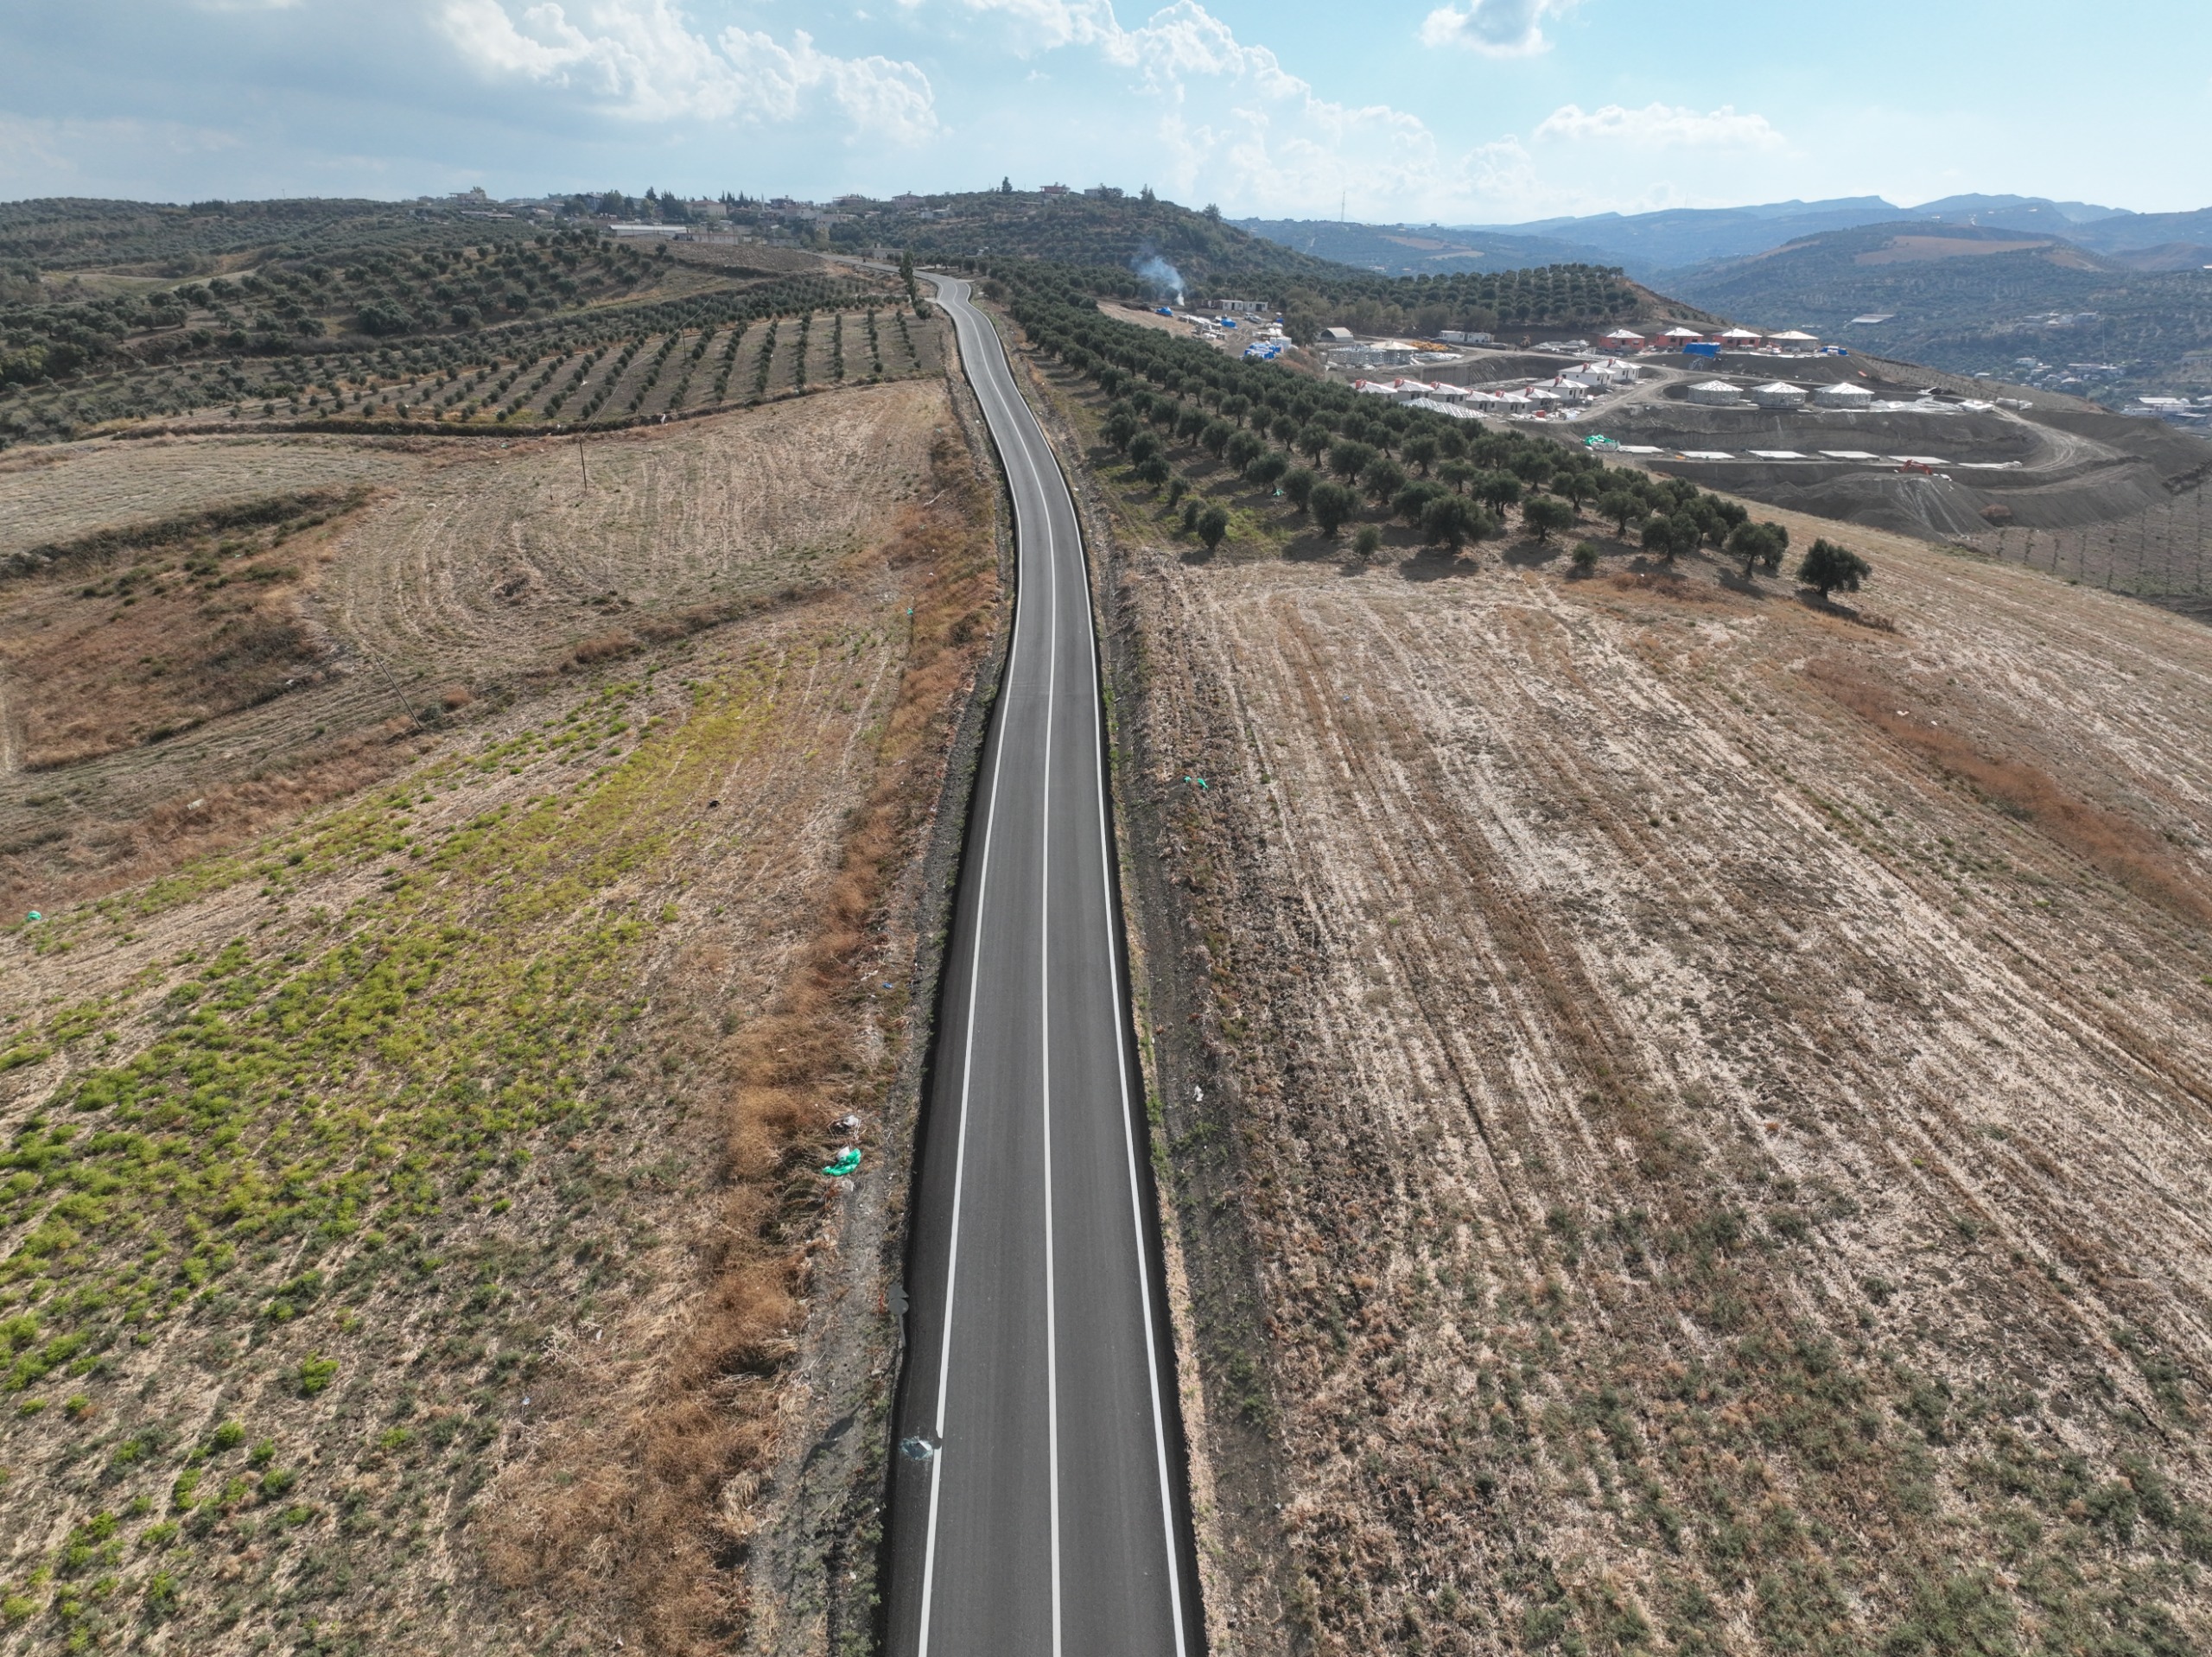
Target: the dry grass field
(1685, 1112)
(410, 1191)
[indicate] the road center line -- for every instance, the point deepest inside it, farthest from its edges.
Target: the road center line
(960, 1152)
(1045, 1029)
(1129, 1138)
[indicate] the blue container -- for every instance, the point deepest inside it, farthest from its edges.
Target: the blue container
(1698, 348)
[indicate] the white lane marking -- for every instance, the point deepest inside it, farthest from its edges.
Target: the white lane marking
(1024, 424)
(959, 1159)
(1045, 1033)
(1129, 1138)
(1021, 430)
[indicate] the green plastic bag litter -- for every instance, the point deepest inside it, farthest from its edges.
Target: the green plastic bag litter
(848, 1161)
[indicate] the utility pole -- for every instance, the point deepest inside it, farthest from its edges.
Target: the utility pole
(582, 464)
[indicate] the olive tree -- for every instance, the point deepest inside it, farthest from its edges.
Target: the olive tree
(1828, 567)
(1545, 514)
(1331, 504)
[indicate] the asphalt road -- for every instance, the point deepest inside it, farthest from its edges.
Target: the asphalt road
(1049, 1516)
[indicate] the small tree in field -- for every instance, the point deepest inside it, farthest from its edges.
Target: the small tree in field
(1382, 479)
(1759, 543)
(1331, 504)
(1545, 514)
(1619, 505)
(1828, 567)
(1298, 486)
(1213, 523)
(1447, 520)
(1367, 543)
(1585, 557)
(1658, 535)
(1348, 459)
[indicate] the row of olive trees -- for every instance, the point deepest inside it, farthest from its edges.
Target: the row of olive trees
(1451, 482)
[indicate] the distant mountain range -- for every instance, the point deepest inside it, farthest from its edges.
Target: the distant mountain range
(1651, 246)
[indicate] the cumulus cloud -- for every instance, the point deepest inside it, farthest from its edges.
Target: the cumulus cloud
(1661, 125)
(1497, 29)
(1046, 25)
(640, 60)
(1232, 121)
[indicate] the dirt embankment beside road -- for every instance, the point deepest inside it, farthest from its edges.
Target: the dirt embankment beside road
(1685, 1113)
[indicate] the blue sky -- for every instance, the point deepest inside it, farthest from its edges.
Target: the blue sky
(1458, 110)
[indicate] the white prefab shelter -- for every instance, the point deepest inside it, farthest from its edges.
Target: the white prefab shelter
(1778, 394)
(1681, 333)
(1795, 339)
(1843, 395)
(1623, 337)
(1742, 337)
(1712, 391)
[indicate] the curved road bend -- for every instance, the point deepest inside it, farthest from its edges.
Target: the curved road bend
(1048, 1520)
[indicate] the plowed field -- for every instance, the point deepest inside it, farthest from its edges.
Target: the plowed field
(1688, 1114)
(472, 570)
(410, 1199)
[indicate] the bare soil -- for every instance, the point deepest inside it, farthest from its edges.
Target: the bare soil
(1685, 1107)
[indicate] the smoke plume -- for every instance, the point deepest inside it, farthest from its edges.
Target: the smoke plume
(1164, 279)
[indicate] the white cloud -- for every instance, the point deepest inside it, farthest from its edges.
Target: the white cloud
(1497, 29)
(1661, 125)
(1229, 122)
(1233, 122)
(639, 58)
(1047, 25)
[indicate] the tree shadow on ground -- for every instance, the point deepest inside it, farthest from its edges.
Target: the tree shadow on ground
(1314, 548)
(1531, 553)
(1439, 563)
(1812, 601)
